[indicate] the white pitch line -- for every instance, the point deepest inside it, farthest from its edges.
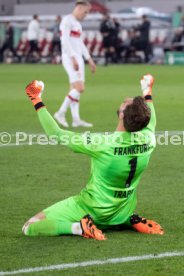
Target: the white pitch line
(94, 263)
(18, 145)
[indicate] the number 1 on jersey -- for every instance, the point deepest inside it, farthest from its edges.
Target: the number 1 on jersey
(133, 166)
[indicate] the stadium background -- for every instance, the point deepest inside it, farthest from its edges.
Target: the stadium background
(162, 32)
(33, 177)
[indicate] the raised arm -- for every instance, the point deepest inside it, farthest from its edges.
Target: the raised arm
(77, 142)
(51, 128)
(146, 86)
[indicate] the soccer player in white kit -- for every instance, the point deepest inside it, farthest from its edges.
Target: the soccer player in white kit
(32, 36)
(74, 52)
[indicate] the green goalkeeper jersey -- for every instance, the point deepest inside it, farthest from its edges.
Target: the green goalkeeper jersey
(118, 161)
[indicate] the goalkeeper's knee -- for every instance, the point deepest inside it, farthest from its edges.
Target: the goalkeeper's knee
(26, 226)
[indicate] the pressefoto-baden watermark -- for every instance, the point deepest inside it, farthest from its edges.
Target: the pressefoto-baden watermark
(21, 138)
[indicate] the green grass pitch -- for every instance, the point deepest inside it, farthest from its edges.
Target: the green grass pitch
(34, 177)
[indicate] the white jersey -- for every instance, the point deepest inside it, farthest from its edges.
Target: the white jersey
(33, 30)
(71, 38)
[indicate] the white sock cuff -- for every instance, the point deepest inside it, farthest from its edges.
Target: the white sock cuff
(74, 94)
(76, 229)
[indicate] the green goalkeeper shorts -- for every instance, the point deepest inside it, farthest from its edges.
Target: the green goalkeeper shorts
(73, 209)
(65, 210)
(68, 210)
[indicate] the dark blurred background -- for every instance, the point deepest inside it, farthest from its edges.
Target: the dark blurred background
(126, 31)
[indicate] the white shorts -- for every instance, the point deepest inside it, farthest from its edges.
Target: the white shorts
(72, 74)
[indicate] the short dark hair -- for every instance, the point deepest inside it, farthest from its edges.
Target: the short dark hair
(136, 115)
(82, 2)
(144, 16)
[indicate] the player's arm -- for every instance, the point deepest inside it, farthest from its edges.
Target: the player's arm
(34, 91)
(87, 57)
(77, 142)
(146, 86)
(65, 29)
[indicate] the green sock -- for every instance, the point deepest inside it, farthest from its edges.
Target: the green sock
(49, 227)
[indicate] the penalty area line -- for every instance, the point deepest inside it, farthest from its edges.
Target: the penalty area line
(94, 263)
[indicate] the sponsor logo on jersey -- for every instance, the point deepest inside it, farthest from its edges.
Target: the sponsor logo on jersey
(75, 33)
(132, 150)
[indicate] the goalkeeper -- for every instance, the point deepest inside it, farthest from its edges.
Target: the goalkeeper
(117, 164)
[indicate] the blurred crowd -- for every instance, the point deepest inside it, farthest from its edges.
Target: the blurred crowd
(29, 48)
(136, 47)
(137, 40)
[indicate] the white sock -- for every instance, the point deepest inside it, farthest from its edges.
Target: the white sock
(76, 229)
(74, 105)
(65, 105)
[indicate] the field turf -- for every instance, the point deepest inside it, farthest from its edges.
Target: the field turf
(34, 177)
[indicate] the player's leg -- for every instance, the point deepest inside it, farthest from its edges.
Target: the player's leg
(127, 217)
(36, 50)
(72, 100)
(64, 217)
(60, 114)
(41, 225)
(54, 220)
(77, 88)
(30, 50)
(106, 50)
